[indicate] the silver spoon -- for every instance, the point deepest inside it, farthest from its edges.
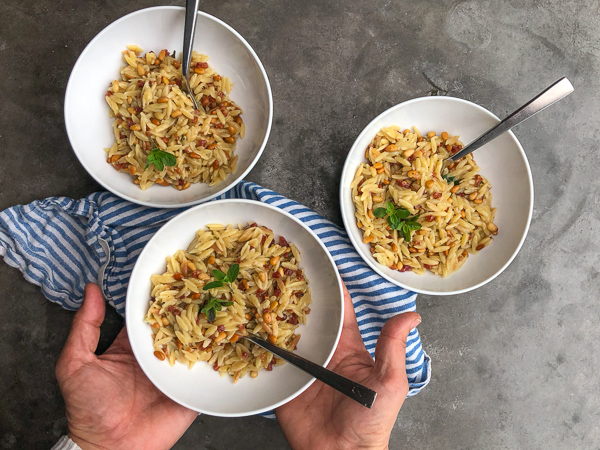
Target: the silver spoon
(191, 14)
(355, 391)
(554, 93)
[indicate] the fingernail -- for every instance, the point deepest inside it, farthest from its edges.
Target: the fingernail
(415, 323)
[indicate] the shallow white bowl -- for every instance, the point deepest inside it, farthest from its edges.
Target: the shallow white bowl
(502, 161)
(86, 112)
(201, 388)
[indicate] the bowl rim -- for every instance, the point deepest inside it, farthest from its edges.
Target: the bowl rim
(130, 288)
(347, 215)
(237, 180)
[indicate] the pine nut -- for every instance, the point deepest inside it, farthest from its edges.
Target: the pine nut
(230, 140)
(444, 135)
(377, 166)
(473, 196)
(274, 305)
(141, 70)
(272, 338)
(115, 86)
(478, 201)
(368, 239)
(233, 339)
(262, 276)
(408, 152)
(413, 174)
(253, 374)
(195, 155)
(492, 227)
(155, 121)
(135, 127)
(162, 100)
(429, 184)
(176, 113)
(159, 355)
(267, 317)
(178, 276)
(479, 247)
(165, 321)
(418, 153)
(211, 260)
(132, 170)
(370, 214)
(199, 70)
(431, 134)
(186, 185)
(377, 199)
(222, 335)
(161, 55)
(274, 260)
(455, 189)
(391, 148)
(394, 248)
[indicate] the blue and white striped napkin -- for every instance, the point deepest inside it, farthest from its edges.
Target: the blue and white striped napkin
(61, 244)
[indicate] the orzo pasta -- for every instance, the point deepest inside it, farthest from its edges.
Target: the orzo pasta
(451, 207)
(269, 297)
(155, 119)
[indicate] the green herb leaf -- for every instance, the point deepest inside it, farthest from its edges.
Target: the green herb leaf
(406, 232)
(449, 179)
(211, 315)
(412, 225)
(217, 306)
(160, 159)
(225, 303)
(232, 273)
(389, 207)
(219, 275)
(379, 212)
(393, 221)
(212, 285)
(402, 213)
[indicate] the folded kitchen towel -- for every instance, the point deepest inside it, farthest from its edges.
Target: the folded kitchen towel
(61, 244)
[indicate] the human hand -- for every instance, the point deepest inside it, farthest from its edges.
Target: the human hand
(323, 418)
(110, 402)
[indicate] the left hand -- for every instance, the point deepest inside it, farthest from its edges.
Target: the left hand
(110, 402)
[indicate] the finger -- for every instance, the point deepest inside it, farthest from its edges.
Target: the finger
(85, 329)
(390, 352)
(350, 332)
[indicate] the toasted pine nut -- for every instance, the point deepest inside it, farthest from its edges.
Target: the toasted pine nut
(377, 165)
(234, 338)
(155, 121)
(155, 325)
(186, 185)
(408, 152)
(195, 296)
(132, 170)
(162, 182)
(195, 155)
(406, 131)
(199, 70)
(455, 189)
(274, 260)
(162, 100)
(422, 232)
(165, 321)
(274, 305)
(115, 86)
(492, 227)
(178, 276)
(377, 199)
(280, 271)
(479, 247)
(165, 80)
(159, 355)
(222, 335)
(431, 134)
(444, 135)
(210, 260)
(248, 317)
(262, 276)
(141, 70)
(135, 127)
(358, 224)
(272, 338)
(367, 239)
(267, 317)
(394, 248)
(253, 374)
(391, 148)
(136, 181)
(463, 213)
(418, 153)
(131, 110)
(413, 174)
(161, 55)
(386, 182)
(115, 158)
(429, 184)
(176, 113)
(478, 201)
(413, 250)
(370, 214)
(230, 140)
(473, 196)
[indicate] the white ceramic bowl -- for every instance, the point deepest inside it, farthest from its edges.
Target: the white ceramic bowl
(201, 388)
(86, 112)
(502, 161)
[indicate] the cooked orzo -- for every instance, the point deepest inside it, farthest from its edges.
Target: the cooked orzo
(416, 214)
(159, 136)
(262, 292)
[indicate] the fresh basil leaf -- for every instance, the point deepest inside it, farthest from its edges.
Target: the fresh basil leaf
(218, 274)
(389, 207)
(412, 225)
(379, 212)
(160, 159)
(232, 272)
(212, 285)
(217, 306)
(226, 303)
(210, 315)
(402, 213)
(206, 307)
(393, 221)
(406, 232)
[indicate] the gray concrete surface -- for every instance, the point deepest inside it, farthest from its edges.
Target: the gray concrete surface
(515, 363)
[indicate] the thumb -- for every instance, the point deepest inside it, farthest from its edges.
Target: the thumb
(85, 329)
(390, 353)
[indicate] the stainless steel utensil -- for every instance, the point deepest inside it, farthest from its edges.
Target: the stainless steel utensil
(554, 93)
(191, 14)
(355, 391)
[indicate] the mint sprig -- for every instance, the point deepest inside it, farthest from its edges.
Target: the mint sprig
(398, 219)
(223, 278)
(213, 305)
(160, 159)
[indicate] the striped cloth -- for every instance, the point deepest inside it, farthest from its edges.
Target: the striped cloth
(61, 244)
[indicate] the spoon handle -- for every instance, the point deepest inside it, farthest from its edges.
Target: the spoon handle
(191, 14)
(554, 93)
(355, 391)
